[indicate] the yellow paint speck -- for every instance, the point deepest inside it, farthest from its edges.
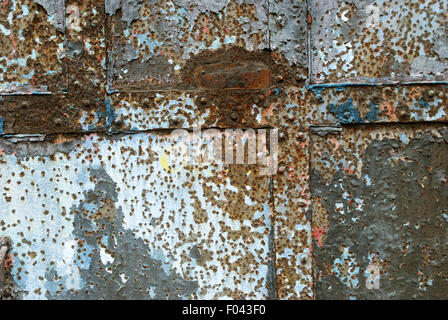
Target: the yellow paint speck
(164, 162)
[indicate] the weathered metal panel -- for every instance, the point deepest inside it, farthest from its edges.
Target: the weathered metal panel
(288, 37)
(366, 41)
(96, 208)
(86, 47)
(292, 236)
(33, 45)
(380, 207)
(125, 218)
(222, 108)
(137, 112)
(151, 43)
(381, 104)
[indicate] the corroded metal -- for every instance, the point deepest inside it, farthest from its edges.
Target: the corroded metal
(378, 41)
(100, 202)
(151, 41)
(292, 238)
(32, 50)
(85, 52)
(89, 228)
(380, 203)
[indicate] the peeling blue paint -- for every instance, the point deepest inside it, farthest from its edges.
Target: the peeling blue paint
(423, 103)
(109, 115)
(373, 114)
(346, 112)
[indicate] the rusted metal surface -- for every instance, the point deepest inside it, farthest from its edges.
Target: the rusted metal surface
(118, 218)
(32, 50)
(222, 108)
(292, 238)
(380, 203)
(86, 47)
(378, 41)
(98, 200)
(151, 41)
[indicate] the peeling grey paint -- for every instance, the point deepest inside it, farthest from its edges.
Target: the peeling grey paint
(323, 131)
(129, 9)
(392, 212)
(56, 12)
(136, 273)
(75, 49)
(39, 147)
(288, 34)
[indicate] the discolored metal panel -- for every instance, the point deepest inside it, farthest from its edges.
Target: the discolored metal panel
(33, 45)
(288, 36)
(86, 47)
(382, 104)
(222, 108)
(219, 108)
(98, 206)
(133, 217)
(380, 211)
(379, 41)
(292, 235)
(151, 43)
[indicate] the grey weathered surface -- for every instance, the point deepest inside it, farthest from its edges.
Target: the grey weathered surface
(381, 202)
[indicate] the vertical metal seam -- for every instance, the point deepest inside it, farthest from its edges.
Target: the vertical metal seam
(308, 36)
(107, 29)
(313, 260)
(272, 270)
(65, 62)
